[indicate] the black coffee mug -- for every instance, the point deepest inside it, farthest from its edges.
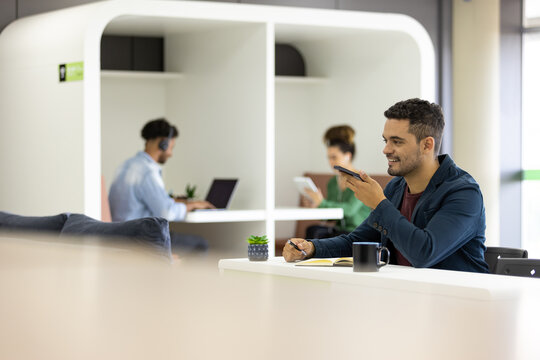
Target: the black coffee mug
(366, 256)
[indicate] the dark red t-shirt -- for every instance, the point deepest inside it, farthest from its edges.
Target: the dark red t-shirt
(407, 208)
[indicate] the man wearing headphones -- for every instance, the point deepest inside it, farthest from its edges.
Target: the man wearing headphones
(138, 189)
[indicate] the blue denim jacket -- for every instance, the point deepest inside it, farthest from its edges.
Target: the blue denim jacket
(447, 228)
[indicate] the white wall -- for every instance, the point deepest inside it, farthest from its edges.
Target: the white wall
(126, 105)
(219, 108)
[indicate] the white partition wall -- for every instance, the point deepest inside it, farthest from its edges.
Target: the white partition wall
(41, 122)
(236, 119)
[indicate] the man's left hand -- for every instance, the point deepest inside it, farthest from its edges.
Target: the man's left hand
(368, 191)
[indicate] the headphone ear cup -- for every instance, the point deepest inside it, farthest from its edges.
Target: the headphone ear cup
(164, 144)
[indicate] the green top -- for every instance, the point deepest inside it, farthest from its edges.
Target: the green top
(354, 211)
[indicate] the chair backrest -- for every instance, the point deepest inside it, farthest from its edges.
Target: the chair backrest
(12, 222)
(320, 180)
(493, 254)
(518, 267)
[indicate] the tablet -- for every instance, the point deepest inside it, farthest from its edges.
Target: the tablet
(303, 182)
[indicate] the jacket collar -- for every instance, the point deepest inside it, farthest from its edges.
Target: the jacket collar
(445, 164)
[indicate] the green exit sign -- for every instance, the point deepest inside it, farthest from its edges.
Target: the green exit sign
(71, 71)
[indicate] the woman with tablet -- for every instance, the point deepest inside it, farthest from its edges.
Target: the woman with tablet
(340, 147)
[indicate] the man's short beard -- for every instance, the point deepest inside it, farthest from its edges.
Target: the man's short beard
(410, 168)
(162, 159)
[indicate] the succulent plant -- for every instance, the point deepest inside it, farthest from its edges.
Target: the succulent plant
(259, 240)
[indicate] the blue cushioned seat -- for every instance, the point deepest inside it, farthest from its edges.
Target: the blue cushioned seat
(11, 222)
(150, 232)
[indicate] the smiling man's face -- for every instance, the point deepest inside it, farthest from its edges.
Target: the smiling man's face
(401, 149)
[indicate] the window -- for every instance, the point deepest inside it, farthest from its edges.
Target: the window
(531, 129)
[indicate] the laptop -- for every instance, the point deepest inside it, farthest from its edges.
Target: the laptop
(220, 193)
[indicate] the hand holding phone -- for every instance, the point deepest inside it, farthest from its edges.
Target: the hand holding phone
(348, 172)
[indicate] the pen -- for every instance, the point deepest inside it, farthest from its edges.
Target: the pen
(296, 247)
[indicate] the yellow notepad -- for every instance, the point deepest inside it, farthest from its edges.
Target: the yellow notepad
(343, 261)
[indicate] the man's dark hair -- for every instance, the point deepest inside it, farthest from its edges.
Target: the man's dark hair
(425, 119)
(158, 128)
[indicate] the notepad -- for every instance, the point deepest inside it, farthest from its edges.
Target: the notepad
(343, 261)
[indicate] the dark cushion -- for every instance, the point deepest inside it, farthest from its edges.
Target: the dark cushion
(152, 232)
(32, 223)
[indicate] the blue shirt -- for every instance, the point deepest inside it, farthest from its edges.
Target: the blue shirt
(138, 191)
(447, 227)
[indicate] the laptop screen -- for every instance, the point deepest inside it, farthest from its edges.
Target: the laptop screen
(220, 192)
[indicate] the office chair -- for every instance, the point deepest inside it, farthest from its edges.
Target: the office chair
(518, 267)
(493, 254)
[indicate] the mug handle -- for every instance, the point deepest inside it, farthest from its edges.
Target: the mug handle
(383, 263)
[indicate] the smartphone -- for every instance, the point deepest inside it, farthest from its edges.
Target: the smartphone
(347, 171)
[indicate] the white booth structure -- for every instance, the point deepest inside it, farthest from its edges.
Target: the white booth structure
(235, 117)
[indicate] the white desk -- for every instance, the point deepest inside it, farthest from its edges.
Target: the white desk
(401, 312)
(295, 213)
(279, 214)
(217, 216)
(429, 281)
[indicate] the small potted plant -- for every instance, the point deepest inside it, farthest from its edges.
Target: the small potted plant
(257, 248)
(190, 191)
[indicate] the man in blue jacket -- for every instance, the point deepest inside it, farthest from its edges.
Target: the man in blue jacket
(430, 215)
